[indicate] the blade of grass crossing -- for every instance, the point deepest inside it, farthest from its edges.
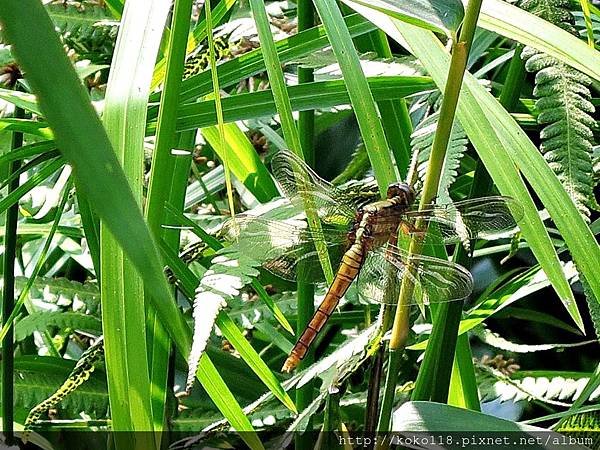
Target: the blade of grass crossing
(218, 108)
(305, 291)
(359, 92)
(83, 141)
(122, 289)
(162, 178)
(284, 108)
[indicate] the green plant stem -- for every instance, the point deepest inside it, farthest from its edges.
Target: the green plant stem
(458, 62)
(440, 360)
(8, 295)
(306, 292)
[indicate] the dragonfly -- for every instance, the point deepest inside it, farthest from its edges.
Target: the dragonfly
(360, 234)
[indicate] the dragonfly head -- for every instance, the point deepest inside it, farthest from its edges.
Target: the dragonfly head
(401, 190)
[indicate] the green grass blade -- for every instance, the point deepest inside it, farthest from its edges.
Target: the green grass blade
(276, 79)
(122, 289)
(252, 63)
(82, 139)
(243, 161)
(164, 186)
(33, 181)
(515, 23)
(321, 94)
(359, 93)
(249, 355)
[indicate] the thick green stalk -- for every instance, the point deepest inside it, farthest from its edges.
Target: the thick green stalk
(306, 292)
(458, 63)
(8, 294)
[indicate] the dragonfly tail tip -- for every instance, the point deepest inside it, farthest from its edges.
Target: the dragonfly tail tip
(289, 365)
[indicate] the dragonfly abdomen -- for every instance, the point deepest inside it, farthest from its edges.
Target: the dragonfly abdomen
(347, 272)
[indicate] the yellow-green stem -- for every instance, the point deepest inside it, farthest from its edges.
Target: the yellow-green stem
(400, 328)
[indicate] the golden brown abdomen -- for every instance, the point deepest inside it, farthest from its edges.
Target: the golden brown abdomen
(347, 272)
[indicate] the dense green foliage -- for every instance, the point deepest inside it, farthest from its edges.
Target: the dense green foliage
(187, 137)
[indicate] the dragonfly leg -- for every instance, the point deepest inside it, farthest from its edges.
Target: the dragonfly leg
(411, 229)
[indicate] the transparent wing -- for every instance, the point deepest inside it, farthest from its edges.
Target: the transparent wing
(480, 218)
(435, 280)
(298, 181)
(285, 248)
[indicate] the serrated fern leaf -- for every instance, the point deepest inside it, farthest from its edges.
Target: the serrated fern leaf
(40, 321)
(565, 110)
(421, 143)
(63, 293)
(81, 373)
(497, 341)
(89, 30)
(596, 164)
(555, 388)
(33, 386)
(220, 283)
(586, 421)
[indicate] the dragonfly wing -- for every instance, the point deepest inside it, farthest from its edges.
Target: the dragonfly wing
(378, 280)
(479, 218)
(299, 182)
(285, 248)
(435, 280)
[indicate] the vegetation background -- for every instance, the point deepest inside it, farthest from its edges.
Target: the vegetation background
(129, 130)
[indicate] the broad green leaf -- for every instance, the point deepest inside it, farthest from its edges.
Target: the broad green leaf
(443, 16)
(437, 417)
(514, 23)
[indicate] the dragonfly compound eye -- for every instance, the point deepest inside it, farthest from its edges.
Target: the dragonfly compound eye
(401, 190)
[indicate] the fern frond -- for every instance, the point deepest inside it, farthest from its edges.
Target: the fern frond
(40, 321)
(89, 30)
(596, 164)
(421, 143)
(554, 11)
(36, 379)
(555, 388)
(80, 297)
(593, 306)
(497, 341)
(565, 110)
(80, 374)
(207, 304)
(586, 421)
